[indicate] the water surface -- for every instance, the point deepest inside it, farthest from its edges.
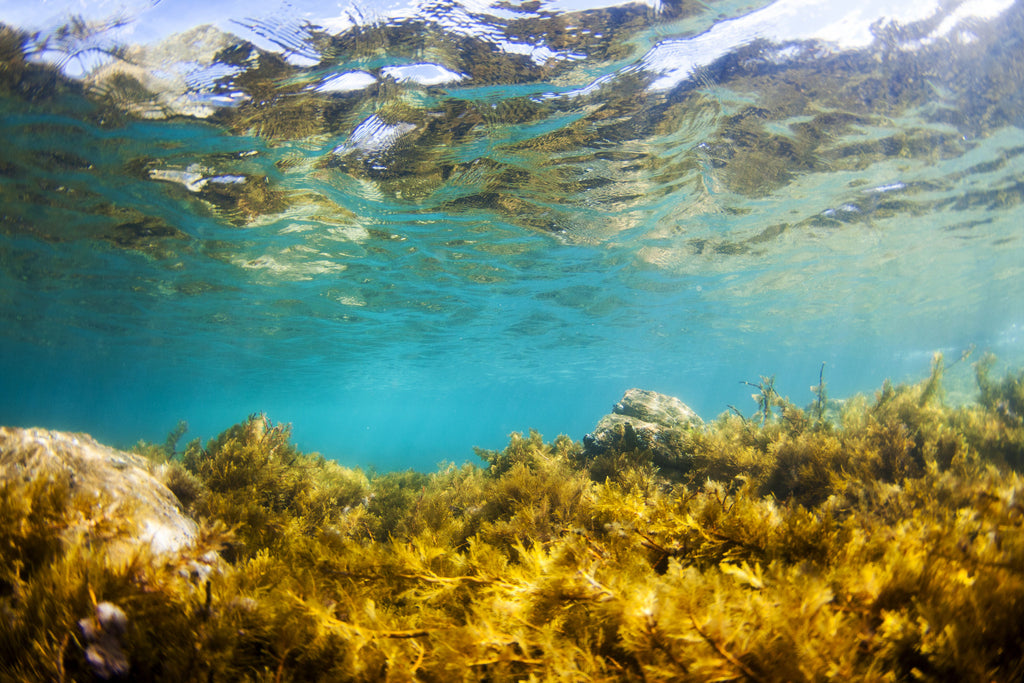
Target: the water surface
(409, 228)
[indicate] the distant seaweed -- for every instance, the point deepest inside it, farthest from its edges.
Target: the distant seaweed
(883, 544)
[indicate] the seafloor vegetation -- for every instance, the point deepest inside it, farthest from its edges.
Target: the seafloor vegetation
(877, 540)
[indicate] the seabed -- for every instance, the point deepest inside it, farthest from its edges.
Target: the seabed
(869, 539)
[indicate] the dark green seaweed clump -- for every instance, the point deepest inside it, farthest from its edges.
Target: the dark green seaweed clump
(882, 542)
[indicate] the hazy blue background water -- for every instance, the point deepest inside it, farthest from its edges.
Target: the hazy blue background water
(411, 228)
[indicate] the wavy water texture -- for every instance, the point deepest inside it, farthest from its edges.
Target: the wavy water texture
(448, 194)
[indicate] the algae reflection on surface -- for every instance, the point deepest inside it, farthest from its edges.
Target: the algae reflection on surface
(869, 539)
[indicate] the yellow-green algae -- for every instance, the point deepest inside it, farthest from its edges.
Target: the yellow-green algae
(882, 543)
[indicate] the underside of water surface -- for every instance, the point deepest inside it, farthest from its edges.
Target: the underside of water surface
(412, 228)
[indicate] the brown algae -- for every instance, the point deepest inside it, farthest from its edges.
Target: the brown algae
(879, 541)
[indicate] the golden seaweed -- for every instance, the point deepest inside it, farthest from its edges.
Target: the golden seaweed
(879, 542)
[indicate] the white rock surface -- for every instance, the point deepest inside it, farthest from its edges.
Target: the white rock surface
(91, 467)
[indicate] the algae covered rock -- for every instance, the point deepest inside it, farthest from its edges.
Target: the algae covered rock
(650, 406)
(643, 421)
(147, 509)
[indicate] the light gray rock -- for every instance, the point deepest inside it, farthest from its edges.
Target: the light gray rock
(650, 406)
(123, 478)
(642, 421)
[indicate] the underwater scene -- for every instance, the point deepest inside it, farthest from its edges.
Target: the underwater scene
(511, 340)
(412, 229)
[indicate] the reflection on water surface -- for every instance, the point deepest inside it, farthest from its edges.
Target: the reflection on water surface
(332, 201)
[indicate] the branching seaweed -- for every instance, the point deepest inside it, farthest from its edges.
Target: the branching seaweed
(882, 543)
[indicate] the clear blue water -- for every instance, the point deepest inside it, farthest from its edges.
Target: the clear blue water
(410, 229)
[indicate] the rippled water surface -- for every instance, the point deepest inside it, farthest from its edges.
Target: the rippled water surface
(409, 228)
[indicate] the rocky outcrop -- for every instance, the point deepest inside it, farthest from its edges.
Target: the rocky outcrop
(643, 421)
(143, 505)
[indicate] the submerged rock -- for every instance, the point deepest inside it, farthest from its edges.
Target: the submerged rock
(642, 421)
(146, 507)
(650, 406)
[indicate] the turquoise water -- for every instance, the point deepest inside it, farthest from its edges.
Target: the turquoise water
(411, 229)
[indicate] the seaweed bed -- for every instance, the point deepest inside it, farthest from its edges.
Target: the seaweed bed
(878, 540)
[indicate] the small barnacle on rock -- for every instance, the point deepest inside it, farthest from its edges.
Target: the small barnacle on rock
(102, 633)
